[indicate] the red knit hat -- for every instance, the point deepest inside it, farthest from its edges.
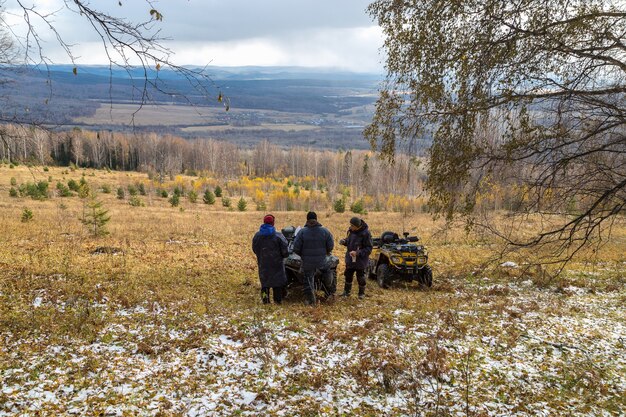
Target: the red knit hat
(268, 219)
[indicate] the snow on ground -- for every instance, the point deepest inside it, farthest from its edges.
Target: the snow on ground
(520, 357)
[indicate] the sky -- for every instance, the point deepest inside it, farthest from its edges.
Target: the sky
(320, 33)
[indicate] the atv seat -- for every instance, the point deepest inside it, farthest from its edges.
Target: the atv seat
(388, 237)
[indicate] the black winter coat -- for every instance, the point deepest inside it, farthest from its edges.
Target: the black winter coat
(361, 241)
(313, 243)
(270, 249)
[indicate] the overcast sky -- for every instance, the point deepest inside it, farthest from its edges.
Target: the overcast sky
(320, 33)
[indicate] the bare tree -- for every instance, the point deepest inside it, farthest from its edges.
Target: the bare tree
(135, 47)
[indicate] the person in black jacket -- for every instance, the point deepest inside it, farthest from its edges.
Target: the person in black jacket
(270, 248)
(314, 243)
(358, 244)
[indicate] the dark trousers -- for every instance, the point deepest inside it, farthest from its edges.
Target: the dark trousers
(327, 282)
(360, 279)
(277, 293)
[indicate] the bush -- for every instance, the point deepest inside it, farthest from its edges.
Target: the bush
(84, 191)
(174, 200)
(241, 204)
(192, 196)
(226, 201)
(132, 190)
(358, 207)
(63, 189)
(27, 215)
(106, 189)
(339, 205)
(13, 181)
(13, 192)
(141, 188)
(135, 201)
(46, 169)
(209, 197)
(73, 185)
(218, 191)
(163, 193)
(120, 193)
(37, 191)
(261, 206)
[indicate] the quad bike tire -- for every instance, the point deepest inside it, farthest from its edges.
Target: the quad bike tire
(369, 271)
(425, 276)
(383, 276)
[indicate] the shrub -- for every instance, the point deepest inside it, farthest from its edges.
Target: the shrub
(73, 185)
(241, 204)
(163, 193)
(13, 192)
(13, 181)
(358, 207)
(135, 201)
(141, 188)
(132, 190)
(63, 189)
(120, 193)
(209, 197)
(84, 191)
(218, 191)
(27, 215)
(37, 191)
(46, 169)
(226, 201)
(192, 196)
(106, 189)
(261, 206)
(175, 200)
(339, 205)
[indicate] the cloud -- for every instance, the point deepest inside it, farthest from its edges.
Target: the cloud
(235, 32)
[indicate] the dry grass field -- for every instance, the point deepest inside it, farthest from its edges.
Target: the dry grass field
(162, 317)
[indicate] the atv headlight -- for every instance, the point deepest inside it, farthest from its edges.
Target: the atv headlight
(396, 259)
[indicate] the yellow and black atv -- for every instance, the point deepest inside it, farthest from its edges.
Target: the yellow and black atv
(394, 258)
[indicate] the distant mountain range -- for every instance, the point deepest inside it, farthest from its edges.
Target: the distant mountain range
(328, 102)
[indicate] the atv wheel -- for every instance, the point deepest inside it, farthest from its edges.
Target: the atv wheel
(369, 270)
(425, 276)
(383, 276)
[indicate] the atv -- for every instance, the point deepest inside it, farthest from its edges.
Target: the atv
(293, 263)
(394, 258)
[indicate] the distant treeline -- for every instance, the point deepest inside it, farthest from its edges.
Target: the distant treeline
(165, 156)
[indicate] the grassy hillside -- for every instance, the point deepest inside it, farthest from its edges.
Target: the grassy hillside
(163, 317)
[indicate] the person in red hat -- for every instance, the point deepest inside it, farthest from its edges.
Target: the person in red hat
(270, 248)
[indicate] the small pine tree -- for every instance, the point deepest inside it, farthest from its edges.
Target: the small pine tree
(339, 205)
(163, 193)
(135, 201)
(120, 193)
(95, 217)
(192, 196)
(27, 215)
(174, 200)
(106, 188)
(358, 207)
(241, 204)
(226, 201)
(73, 185)
(209, 197)
(132, 190)
(141, 188)
(13, 181)
(13, 192)
(218, 191)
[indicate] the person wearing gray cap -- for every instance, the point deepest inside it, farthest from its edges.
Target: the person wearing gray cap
(358, 244)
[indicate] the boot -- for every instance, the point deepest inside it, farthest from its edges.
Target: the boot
(361, 292)
(309, 299)
(346, 289)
